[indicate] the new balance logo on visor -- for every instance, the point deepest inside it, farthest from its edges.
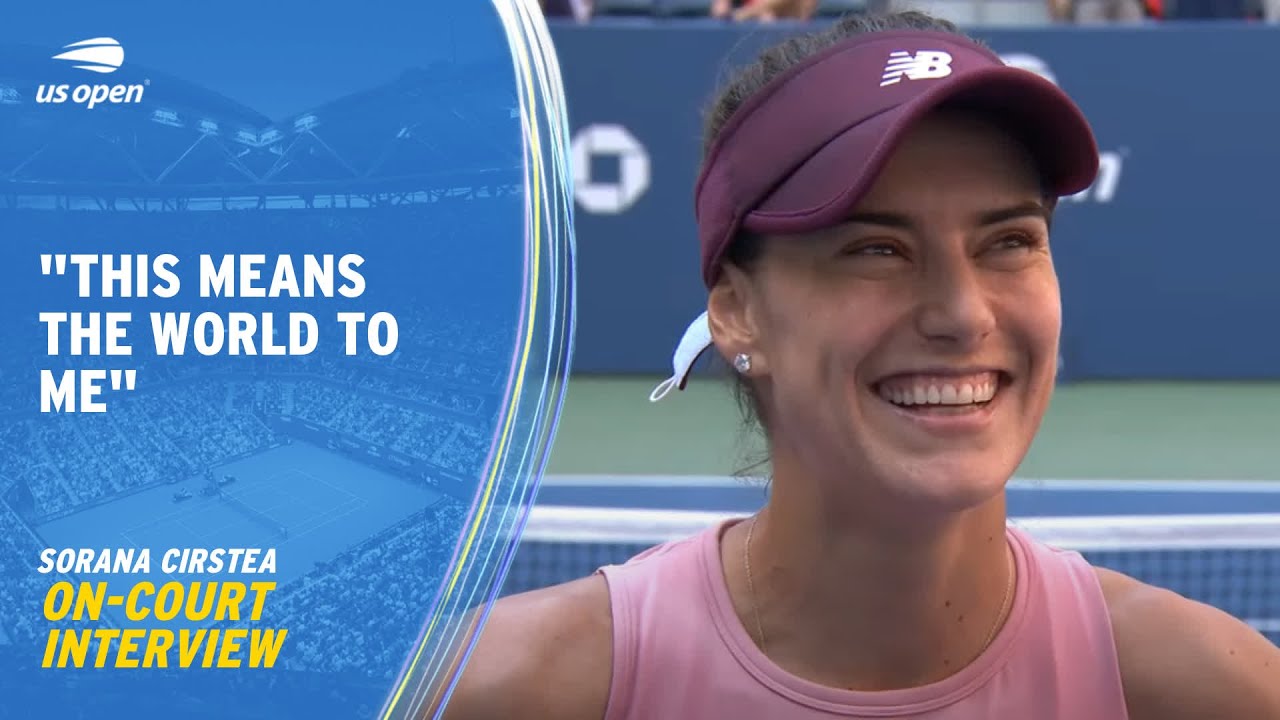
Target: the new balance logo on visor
(924, 65)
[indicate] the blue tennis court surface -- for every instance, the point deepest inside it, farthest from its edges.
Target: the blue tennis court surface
(1027, 498)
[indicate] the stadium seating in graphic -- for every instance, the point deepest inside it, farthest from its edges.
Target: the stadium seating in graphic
(194, 167)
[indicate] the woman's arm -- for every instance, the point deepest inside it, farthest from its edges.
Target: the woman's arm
(542, 654)
(1180, 659)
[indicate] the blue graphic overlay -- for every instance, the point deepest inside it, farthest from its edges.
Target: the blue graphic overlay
(286, 318)
(487, 549)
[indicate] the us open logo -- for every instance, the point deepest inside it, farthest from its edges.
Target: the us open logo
(101, 55)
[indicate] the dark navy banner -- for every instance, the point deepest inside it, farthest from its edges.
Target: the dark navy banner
(1168, 264)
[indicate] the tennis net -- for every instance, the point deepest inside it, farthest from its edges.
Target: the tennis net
(263, 520)
(1229, 561)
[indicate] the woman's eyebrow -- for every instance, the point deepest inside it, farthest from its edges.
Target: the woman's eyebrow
(1033, 208)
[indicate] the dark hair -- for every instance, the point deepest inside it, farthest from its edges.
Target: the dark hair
(745, 249)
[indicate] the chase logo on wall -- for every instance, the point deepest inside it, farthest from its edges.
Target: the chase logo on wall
(1110, 162)
(1030, 63)
(605, 142)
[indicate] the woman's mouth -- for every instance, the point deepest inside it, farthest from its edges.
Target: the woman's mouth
(942, 394)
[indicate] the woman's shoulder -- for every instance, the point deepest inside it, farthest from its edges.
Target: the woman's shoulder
(541, 654)
(1183, 659)
(549, 653)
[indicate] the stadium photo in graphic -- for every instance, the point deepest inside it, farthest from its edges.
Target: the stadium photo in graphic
(292, 297)
(257, 366)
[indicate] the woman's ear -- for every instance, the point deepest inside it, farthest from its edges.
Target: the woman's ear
(733, 316)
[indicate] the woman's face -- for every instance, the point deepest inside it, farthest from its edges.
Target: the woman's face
(912, 350)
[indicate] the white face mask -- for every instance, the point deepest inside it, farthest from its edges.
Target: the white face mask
(697, 338)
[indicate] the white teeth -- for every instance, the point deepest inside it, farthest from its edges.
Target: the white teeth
(945, 394)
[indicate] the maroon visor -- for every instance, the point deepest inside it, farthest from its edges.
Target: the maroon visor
(801, 153)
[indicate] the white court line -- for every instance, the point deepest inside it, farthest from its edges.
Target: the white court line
(348, 502)
(1132, 532)
(1050, 484)
(235, 523)
(269, 486)
(1165, 486)
(358, 505)
(315, 521)
(308, 477)
(180, 513)
(136, 546)
(330, 485)
(315, 511)
(1270, 625)
(287, 499)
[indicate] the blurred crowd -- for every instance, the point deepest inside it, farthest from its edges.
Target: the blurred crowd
(351, 614)
(20, 588)
(186, 427)
(430, 401)
(993, 12)
(70, 461)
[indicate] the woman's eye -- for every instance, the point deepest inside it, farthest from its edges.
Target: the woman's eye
(1017, 241)
(873, 250)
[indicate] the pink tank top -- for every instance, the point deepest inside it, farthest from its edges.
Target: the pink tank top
(680, 652)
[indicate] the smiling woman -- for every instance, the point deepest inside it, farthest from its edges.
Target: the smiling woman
(874, 213)
(864, 337)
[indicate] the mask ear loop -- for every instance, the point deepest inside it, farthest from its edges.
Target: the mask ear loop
(696, 340)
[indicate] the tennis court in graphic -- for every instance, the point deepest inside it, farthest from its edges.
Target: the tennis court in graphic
(307, 502)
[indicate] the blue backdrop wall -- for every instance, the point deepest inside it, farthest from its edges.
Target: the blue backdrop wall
(1168, 264)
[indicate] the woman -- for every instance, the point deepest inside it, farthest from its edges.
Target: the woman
(874, 213)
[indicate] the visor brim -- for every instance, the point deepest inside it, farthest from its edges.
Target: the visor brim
(824, 189)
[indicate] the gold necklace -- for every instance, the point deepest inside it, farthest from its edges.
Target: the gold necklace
(755, 610)
(751, 586)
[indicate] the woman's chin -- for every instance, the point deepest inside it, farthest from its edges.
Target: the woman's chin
(951, 483)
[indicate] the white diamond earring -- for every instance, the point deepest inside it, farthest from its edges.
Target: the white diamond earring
(742, 363)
